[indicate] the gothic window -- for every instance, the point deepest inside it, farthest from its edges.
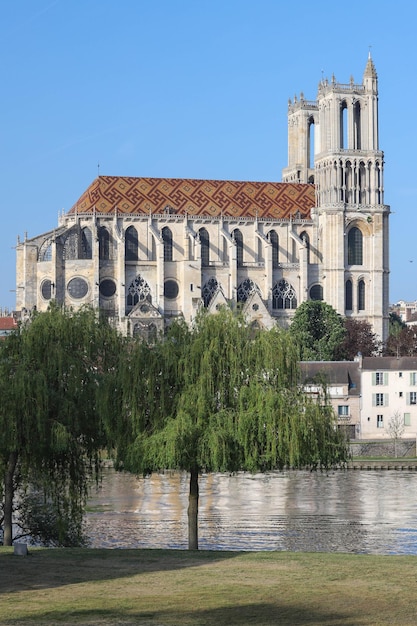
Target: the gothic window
(310, 147)
(361, 295)
(86, 244)
(245, 289)
(316, 292)
(237, 236)
(107, 288)
(77, 288)
(355, 247)
(104, 244)
(284, 296)
(70, 251)
(348, 295)
(171, 289)
(45, 251)
(273, 238)
(46, 289)
(209, 289)
(131, 244)
(138, 291)
(357, 125)
(167, 239)
(344, 125)
(205, 247)
(362, 183)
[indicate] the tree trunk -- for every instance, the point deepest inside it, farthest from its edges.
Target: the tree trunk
(193, 510)
(8, 499)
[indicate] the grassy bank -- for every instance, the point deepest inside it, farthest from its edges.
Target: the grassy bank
(162, 587)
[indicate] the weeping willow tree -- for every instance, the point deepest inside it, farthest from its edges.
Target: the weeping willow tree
(219, 397)
(51, 371)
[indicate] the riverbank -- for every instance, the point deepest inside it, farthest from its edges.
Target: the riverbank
(181, 588)
(383, 464)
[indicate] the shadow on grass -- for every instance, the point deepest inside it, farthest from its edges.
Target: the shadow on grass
(55, 567)
(262, 614)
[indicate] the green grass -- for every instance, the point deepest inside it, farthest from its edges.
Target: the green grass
(175, 588)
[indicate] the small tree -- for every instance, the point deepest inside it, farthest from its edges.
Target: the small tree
(359, 337)
(395, 429)
(234, 404)
(318, 330)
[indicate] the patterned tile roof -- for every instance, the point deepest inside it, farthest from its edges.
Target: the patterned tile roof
(196, 197)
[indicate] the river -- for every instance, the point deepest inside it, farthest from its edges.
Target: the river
(373, 512)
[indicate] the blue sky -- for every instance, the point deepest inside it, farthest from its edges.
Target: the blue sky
(189, 89)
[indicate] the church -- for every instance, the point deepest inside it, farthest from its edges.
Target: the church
(147, 250)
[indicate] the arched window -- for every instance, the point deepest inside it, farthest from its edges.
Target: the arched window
(344, 125)
(348, 296)
(357, 125)
(86, 244)
(310, 146)
(138, 291)
(361, 295)
(238, 238)
(45, 251)
(283, 296)
(245, 289)
(273, 238)
(316, 292)
(104, 244)
(167, 239)
(205, 247)
(355, 247)
(131, 244)
(209, 289)
(70, 251)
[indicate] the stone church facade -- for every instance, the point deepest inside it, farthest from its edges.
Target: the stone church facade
(146, 250)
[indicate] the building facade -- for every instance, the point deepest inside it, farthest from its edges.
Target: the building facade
(145, 250)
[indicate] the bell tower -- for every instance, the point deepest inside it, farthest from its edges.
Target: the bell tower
(346, 165)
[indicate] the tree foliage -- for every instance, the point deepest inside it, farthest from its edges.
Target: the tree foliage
(50, 373)
(359, 337)
(318, 331)
(218, 397)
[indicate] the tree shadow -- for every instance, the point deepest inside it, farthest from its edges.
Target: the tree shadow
(55, 567)
(255, 614)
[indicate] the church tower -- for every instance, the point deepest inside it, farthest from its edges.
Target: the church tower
(333, 142)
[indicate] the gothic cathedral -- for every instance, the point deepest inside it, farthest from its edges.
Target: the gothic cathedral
(147, 250)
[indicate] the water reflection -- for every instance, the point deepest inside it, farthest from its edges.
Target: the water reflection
(353, 511)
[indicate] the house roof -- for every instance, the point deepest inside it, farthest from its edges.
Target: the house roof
(333, 373)
(211, 198)
(389, 363)
(7, 323)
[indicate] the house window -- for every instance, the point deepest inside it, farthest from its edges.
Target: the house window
(380, 378)
(379, 399)
(380, 421)
(413, 397)
(413, 378)
(343, 410)
(407, 419)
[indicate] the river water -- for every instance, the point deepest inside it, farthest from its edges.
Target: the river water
(355, 511)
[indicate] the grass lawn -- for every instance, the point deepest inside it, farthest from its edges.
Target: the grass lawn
(175, 588)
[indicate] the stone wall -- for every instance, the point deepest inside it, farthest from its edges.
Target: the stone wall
(384, 448)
